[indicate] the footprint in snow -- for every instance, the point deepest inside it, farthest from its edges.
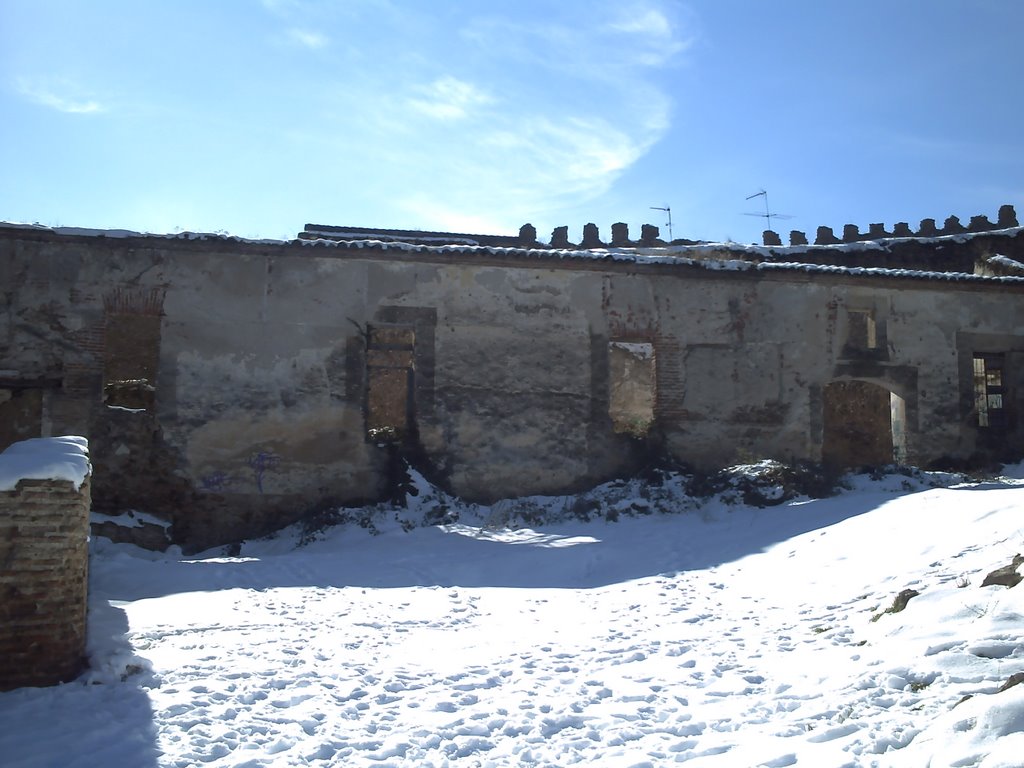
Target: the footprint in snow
(779, 762)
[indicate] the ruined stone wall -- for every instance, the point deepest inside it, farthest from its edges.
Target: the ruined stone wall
(51, 335)
(44, 534)
(924, 336)
(289, 376)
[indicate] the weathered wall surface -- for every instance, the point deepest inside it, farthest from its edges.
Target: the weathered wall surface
(268, 355)
(44, 555)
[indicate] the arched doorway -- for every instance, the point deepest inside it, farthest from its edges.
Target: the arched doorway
(863, 424)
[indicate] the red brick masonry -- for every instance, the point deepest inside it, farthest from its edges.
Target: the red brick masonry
(44, 556)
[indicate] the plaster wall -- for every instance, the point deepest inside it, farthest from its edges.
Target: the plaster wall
(261, 388)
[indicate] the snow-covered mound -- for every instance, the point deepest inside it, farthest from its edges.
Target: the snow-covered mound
(658, 491)
(45, 458)
(723, 635)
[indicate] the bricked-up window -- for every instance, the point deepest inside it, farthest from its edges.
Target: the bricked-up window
(862, 332)
(988, 391)
(131, 357)
(389, 372)
(631, 384)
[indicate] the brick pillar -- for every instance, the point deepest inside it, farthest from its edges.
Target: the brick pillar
(649, 234)
(528, 235)
(825, 237)
(620, 234)
(44, 557)
(591, 237)
(980, 224)
(952, 226)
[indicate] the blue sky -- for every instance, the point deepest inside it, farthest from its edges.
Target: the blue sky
(258, 117)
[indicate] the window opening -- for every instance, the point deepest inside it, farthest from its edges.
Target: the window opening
(130, 360)
(862, 330)
(631, 373)
(863, 424)
(988, 391)
(389, 372)
(898, 425)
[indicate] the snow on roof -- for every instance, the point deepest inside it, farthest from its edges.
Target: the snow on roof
(45, 458)
(1006, 261)
(917, 274)
(704, 257)
(330, 232)
(126, 233)
(708, 256)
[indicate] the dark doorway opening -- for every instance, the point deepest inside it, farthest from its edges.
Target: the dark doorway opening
(864, 425)
(389, 371)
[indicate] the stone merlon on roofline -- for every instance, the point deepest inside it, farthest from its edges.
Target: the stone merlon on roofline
(964, 256)
(650, 235)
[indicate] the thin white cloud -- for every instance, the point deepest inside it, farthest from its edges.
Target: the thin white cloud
(650, 21)
(595, 113)
(449, 216)
(55, 97)
(611, 43)
(448, 98)
(555, 111)
(655, 39)
(575, 155)
(308, 39)
(494, 180)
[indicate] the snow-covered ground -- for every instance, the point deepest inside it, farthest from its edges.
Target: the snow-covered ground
(723, 635)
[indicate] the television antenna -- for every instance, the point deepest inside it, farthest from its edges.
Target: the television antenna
(767, 212)
(667, 210)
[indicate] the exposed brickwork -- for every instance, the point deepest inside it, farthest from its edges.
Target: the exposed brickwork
(44, 526)
(669, 378)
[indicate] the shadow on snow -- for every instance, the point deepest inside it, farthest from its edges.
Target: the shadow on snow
(567, 555)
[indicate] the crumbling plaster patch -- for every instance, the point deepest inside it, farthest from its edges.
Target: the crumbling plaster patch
(278, 452)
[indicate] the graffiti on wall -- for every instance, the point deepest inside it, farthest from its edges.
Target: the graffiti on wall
(216, 481)
(261, 463)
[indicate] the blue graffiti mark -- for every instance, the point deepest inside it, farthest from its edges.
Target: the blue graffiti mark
(261, 463)
(215, 481)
